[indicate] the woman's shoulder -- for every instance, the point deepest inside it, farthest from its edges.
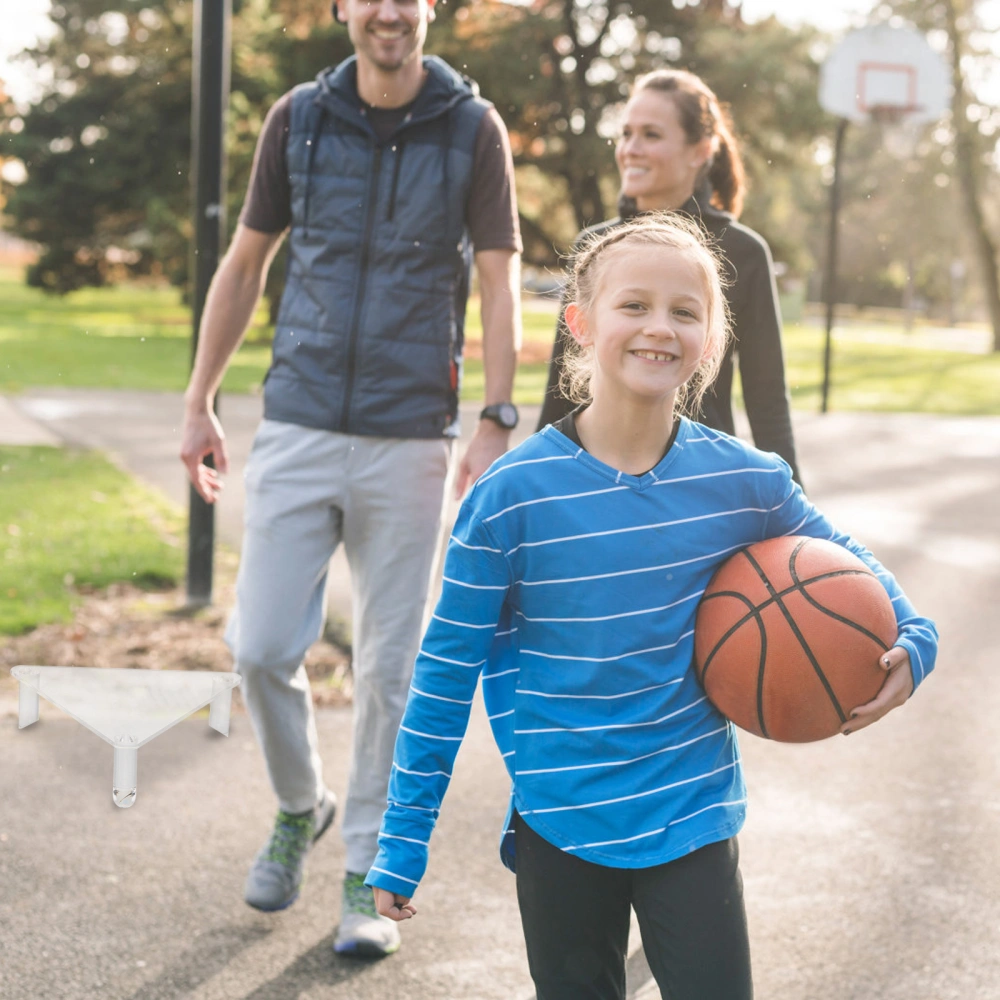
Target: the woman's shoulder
(736, 239)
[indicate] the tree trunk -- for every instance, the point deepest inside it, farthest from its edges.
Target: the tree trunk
(969, 166)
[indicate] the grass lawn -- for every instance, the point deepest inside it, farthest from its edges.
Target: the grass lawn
(72, 520)
(139, 338)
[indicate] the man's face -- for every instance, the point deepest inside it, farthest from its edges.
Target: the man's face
(388, 33)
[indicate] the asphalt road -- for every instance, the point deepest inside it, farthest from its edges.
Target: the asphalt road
(870, 863)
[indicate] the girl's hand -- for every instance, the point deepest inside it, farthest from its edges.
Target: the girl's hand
(393, 906)
(897, 688)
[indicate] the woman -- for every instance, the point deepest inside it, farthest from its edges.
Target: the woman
(677, 152)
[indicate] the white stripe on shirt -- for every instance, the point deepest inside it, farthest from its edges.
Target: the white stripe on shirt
(475, 586)
(623, 614)
(538, 500)
(642, 527)
(638, 795)
(473, 548)
(631, 572)
(607, 659)
(602, 697)
(632, 760)
(614, 725)
(527, 461)
(455, 663)
(439, 697)
(448, 621)
(401, 878)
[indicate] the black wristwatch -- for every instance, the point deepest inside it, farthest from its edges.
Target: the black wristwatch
(504, 414)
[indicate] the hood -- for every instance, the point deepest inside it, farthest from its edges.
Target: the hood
(442, 90)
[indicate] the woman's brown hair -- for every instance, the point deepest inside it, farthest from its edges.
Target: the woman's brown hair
(701, 115)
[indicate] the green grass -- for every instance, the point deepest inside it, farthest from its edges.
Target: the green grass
(895, 376)
(139, 338)
(131, 336)
(72, 520)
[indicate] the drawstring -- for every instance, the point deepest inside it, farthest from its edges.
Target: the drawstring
(310, 157)
(395, 177)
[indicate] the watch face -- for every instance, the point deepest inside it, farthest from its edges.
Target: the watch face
(504, 414)
(508, 414)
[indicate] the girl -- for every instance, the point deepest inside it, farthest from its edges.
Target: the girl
(677, 152)
(571, 585)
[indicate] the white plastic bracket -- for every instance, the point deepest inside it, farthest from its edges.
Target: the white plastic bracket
(126, 708)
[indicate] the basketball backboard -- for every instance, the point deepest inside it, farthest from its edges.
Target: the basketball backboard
(884, 72)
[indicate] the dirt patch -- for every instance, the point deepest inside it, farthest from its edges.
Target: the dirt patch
(123, 626)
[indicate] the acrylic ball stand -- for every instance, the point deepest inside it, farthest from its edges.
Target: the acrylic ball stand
(126, 708)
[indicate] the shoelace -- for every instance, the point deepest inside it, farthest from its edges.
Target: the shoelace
(291, 838)
(358, 897)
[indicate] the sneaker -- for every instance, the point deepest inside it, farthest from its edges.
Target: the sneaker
(276, 873)
(363, 931)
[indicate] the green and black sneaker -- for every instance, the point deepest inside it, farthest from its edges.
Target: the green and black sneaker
(275, 876)
(363, 931)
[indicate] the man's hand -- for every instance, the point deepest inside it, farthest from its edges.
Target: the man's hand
(897, 688)
(202, 435)
(393, 906)
(487, 445)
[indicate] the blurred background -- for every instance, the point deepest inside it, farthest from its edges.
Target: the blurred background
(96, 184)
(96, 105)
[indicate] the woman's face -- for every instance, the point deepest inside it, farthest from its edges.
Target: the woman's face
(658, 166)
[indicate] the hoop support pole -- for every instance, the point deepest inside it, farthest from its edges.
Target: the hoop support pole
(830, 280)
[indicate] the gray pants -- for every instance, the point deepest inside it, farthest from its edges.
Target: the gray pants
(306, 492)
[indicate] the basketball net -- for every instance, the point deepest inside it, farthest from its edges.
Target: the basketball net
(900, 132)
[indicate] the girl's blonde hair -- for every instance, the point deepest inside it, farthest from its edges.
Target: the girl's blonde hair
(657, 229)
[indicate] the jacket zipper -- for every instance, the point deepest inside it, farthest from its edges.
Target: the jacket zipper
(395, 179)
(352, 340)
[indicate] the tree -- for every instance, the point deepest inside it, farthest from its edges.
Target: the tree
(563, 68)
(974, 126)
(969, 158)
(107, 150)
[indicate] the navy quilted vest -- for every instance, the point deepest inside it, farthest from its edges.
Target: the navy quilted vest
(370, 329)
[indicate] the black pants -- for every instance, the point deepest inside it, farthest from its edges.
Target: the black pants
(575, 916)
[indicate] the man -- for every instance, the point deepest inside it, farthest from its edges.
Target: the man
(385, 172)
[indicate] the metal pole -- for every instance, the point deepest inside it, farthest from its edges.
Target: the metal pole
(831, 259)
(210, 98)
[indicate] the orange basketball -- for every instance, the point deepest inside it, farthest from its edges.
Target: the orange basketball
(788, 637)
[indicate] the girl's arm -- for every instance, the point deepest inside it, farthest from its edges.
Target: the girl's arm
(453, 652)
(792, 514)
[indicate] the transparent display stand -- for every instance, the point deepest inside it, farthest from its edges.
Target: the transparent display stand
(126, 708)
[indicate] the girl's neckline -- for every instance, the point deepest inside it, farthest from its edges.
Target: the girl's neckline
(566, 429)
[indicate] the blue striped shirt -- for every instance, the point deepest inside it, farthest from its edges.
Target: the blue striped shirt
(571, 589)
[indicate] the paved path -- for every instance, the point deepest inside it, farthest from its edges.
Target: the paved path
(870, 862)
(140, 430)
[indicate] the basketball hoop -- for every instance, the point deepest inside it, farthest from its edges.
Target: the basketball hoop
(900, 126)
(891, 77)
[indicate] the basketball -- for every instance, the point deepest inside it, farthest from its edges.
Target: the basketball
(788, 637)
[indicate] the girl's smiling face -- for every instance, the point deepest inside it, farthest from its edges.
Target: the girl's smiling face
(648, 326)
(659, 167)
